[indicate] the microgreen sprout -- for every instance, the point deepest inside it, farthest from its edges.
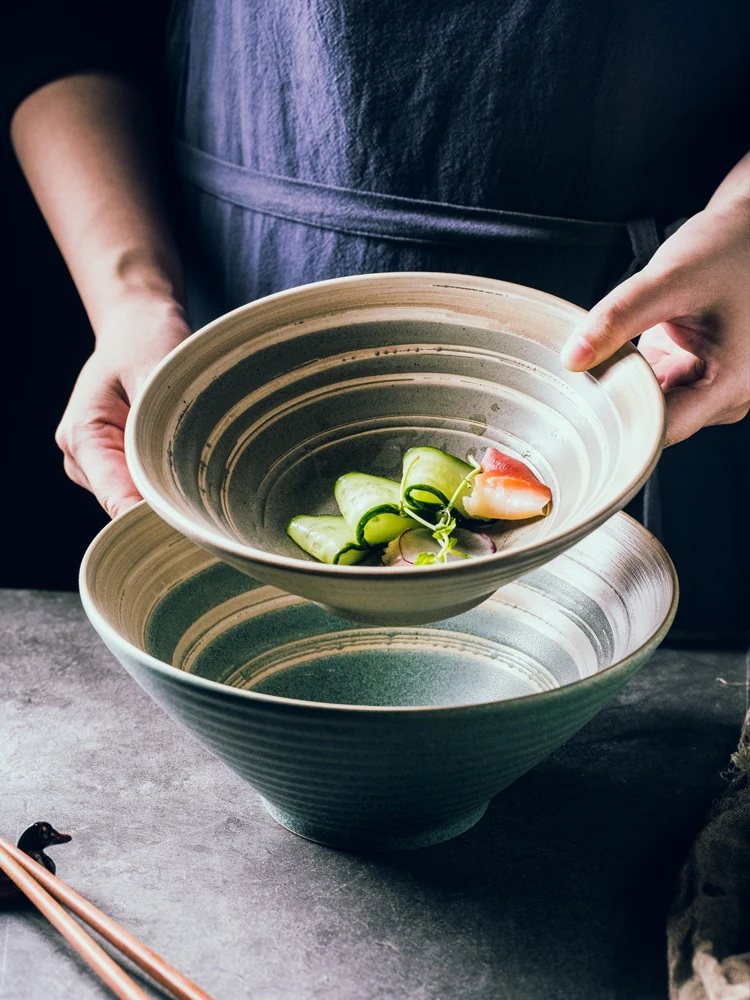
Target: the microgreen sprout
(442, 530)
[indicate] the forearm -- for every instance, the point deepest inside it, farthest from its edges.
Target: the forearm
(83, 144)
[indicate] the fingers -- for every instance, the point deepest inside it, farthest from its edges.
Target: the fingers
(91, 437)
(131, 339)
(114, 489)
(689, 306)
(75, 472)
(687, 412)
(105, 471)
(637, 304)
(680, 368)
(99, 466)
(692, 407)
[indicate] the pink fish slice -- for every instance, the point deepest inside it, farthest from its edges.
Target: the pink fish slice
(506, 490)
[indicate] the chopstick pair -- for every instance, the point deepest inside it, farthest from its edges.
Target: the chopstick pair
(40, 885)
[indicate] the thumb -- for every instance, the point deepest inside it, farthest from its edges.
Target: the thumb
(643, 301)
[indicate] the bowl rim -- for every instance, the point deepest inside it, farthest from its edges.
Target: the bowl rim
(114, 640)
(207, 536)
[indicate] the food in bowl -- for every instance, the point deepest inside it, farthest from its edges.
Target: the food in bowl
(377, 512)
(272, 402)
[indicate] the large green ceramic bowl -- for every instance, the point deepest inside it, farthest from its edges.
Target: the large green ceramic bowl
(377, 738)
(251, 421)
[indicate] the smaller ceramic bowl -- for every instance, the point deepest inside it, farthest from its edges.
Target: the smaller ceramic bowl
(376, 738)
(251, 421)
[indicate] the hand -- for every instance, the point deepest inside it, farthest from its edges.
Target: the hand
(131, 340)
(691, 306)
(85, 144)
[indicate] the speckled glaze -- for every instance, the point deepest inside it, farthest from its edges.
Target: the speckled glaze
(252, 420)
(377, 738)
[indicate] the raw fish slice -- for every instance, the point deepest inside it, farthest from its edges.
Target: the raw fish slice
(497, 497)
(498, 461)
(506, 490)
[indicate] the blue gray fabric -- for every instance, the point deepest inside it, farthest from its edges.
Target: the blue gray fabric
(530, 107)
(544, 142)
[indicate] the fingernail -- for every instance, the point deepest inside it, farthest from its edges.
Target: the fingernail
(577, 355)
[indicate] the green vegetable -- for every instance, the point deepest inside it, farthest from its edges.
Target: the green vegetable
(329, 539)
(447, 542)
(371, 506)
(432, 477)
(442, 530)
(375, 511)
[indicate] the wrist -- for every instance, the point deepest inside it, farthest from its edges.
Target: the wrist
(155, 272)
(132, 278)
(134, 310)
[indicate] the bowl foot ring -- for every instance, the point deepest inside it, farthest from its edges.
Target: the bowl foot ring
(376, 838)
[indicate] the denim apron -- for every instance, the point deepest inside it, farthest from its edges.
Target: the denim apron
(333, 137)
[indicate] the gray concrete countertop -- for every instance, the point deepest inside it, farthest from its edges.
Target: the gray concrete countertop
(559, 893)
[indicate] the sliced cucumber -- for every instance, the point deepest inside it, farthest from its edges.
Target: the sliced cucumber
(370, 506)
(431, 477)
(329, 539)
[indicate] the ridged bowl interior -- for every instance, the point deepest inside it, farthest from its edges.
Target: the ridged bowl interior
(252, 421)
(377, 737)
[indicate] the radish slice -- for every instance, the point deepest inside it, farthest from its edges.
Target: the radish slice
(469, 544)
(396, 562)
(392, 553)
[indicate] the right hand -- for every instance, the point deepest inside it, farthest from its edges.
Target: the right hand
(135, 335)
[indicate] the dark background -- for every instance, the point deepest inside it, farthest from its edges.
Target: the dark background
(47, 337)
(48, 520)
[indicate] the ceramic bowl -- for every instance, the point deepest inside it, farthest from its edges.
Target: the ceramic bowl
(251, 421)
(368, 737)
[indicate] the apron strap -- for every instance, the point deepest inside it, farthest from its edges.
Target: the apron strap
(390, 217)
(644, 240)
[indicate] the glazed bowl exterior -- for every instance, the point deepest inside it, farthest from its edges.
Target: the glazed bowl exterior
(251, 421)
(369, 737)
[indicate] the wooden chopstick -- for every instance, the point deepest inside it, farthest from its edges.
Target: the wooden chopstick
(129, 945)
(87, 948)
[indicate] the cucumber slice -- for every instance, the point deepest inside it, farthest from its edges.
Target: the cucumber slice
(431, 477)
(327, 538)
(370, 505)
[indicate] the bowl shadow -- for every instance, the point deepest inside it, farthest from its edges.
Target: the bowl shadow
(569, 876)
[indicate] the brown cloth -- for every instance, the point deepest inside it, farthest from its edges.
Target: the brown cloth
(708, 930)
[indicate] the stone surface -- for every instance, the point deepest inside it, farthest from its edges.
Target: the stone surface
(559, 893)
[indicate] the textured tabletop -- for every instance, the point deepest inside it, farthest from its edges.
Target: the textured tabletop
(559, 893)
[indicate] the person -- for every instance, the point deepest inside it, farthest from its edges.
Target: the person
(536, 142)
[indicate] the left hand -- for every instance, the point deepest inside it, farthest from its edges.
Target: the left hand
(691, 306)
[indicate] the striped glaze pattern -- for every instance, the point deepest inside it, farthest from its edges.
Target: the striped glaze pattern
(252, 420)
(377, 738)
